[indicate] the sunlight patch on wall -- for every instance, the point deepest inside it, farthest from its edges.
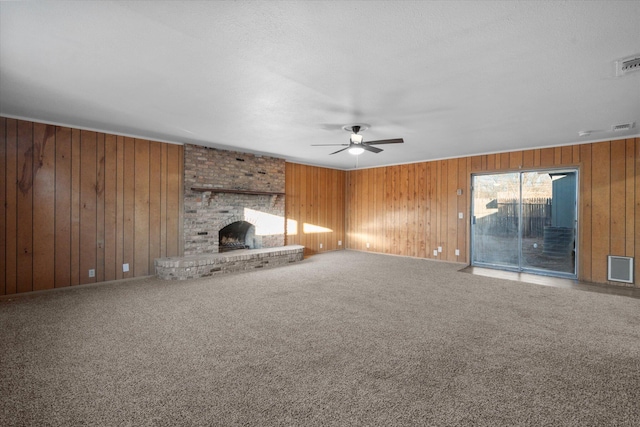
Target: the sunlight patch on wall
(292, 227)
(311, 228)
(265, 224)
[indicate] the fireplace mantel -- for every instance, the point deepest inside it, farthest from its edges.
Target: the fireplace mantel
(224, 190)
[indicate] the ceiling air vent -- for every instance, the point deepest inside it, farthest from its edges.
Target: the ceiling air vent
(628, 65)
(622, 126)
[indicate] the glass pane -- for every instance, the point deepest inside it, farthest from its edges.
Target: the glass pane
(549, 221)
(495, 219)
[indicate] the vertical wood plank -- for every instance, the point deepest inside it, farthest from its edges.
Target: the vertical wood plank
(444, 207)
(452, 211)
(155, 221)
(129, 202)
(63, 208)
(527, 158)
(630, 190)
(163, 202)
(76, 154)
(404, 209)
(547, 157)
(515, 159)
(88, 206)
(388, 209)
(434, 207)
(491, 163)
(411, 209)
(461, 228)
(576, 153)
(25, 207)
(585, 219)
(637, 212)
(505, 159)
(421, 172)
(44, 153)
(11, 207)
(100, 207)
(618, 198)
(111, 263)
(566, 156)
(141, 206)
(3, 203)
(557, 156)
(476, 163)
(120, 228)
(601, 218)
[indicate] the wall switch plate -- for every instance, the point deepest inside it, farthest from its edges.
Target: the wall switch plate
(435, 252)
(125, 268)
(320, 245)
(92, 273)
(367, 245)
(439, 248)
(339, 242)
(460, 215)
(459, 192)
(457, 252)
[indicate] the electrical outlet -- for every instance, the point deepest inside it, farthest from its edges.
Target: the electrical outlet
(125, 268)
(439, 248)
(457, 252)
(367, 245)
(435, 252)
(320, 245)
(460, 215)
(339, 242)
(92, 273)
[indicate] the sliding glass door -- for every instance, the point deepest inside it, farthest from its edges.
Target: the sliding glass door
(525, 221)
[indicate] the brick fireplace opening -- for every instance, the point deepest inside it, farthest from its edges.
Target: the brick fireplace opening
(238, 235)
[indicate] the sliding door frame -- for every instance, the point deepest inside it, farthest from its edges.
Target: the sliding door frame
(520, 268)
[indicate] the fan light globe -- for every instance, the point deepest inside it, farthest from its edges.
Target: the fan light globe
(356, 151)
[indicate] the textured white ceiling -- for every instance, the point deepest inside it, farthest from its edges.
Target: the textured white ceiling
(451, 78)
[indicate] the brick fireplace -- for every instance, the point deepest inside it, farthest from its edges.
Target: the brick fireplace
(232, 201)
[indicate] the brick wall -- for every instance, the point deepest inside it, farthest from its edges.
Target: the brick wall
(205, 213)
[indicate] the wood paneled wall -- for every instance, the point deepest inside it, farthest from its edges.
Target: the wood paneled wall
(314, 207)
(413, 209)
(410, 209)
(77, 200)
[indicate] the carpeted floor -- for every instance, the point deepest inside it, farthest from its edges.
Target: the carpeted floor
(342, 338)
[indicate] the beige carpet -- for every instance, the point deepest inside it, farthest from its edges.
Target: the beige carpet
(342, 338)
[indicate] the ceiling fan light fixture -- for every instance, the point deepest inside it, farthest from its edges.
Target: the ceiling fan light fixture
(356, 151)
(356, 139)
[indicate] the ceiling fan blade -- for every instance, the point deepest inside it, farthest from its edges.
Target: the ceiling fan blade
(336, 152)
(329, 145)
(372, 149)
(386, 141)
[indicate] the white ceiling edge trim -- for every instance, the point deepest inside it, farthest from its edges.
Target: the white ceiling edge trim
(637, 135)
(47, 122)
(146, 138)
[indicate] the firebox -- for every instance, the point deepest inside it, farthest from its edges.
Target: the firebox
(237, 235)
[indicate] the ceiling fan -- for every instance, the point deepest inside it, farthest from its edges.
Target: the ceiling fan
(356, 145)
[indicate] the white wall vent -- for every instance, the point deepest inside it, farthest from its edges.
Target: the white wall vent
(628, 65)
(620, 269)
(623, 126)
